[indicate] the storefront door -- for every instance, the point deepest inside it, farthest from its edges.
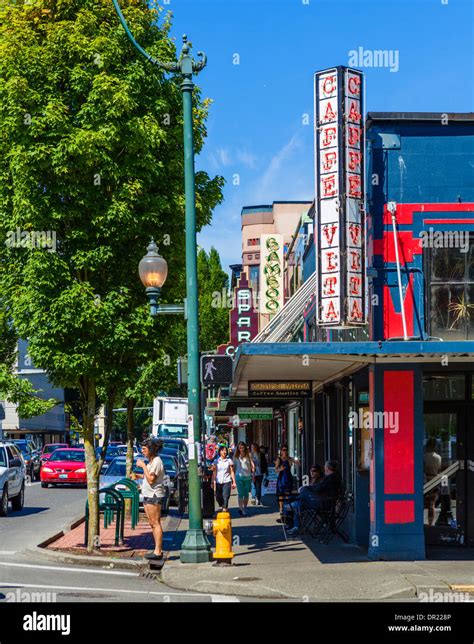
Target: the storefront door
(448, 473)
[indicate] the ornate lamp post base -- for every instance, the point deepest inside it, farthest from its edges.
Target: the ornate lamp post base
(195, 548)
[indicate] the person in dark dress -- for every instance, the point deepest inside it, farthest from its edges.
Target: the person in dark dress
(285, 478)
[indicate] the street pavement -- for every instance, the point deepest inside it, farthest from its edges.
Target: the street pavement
(46, 512)
(26, 577)
(267, 566)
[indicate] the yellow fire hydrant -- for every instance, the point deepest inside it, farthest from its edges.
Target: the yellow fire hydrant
(222, 530)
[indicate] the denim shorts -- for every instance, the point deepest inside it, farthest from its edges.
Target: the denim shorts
(153, 500)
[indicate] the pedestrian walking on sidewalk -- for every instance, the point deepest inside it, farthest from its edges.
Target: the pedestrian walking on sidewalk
(259, 473)
(285, 478)
(244, 471)
(223, 478)
(153, 491)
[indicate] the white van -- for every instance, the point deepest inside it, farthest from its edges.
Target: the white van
(170, 418)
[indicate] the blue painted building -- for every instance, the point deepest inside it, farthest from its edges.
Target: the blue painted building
(410, 467)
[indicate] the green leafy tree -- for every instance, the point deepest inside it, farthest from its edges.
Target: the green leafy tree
(213, 310)
(91, 155)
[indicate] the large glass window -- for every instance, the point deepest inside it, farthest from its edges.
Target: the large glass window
(438, 387)
(451, 292)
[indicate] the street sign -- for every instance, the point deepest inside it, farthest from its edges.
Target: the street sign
(182, 371)
(216, 370)
(255, 413)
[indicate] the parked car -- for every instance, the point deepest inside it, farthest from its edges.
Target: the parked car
(177, 443)
(64, 466)
(31, 456)
(123, 449)
(49, 449)
(116, 471)
(112, 452)
(12, 478)
(177, 478)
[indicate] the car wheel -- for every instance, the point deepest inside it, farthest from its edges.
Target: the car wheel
(44, 484)
(18, 501)
(4, 502)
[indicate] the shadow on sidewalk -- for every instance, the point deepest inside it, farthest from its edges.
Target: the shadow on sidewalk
(260, 533)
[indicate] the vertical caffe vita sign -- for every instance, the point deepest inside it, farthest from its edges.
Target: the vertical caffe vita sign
(271, 273)
(340, 228)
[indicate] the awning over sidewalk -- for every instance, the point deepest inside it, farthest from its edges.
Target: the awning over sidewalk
(325, 362)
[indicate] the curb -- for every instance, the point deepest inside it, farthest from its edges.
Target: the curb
(85, 560)
(213, 587)
(40, 551)
(216, 587)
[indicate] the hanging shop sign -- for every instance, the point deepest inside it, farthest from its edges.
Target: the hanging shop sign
(243, 318)
(271, 273)
(255, 413)
(339, 169)
(280, 388)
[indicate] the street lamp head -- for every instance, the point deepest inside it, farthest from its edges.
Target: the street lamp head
(153, 269)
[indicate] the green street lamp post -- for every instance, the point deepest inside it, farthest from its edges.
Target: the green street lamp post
(153, 271)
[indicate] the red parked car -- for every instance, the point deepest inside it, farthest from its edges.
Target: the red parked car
(49, 449)
(64, 466)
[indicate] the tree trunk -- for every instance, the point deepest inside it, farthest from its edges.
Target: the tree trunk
(93, 535)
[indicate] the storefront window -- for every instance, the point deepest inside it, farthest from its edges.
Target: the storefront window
(451, 292)
(441, 387)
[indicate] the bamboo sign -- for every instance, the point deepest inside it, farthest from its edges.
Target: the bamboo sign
(271, 274)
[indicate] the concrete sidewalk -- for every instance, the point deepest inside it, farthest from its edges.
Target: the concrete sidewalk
(265, 565)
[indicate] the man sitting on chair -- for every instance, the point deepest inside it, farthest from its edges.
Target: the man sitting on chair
(318, 496)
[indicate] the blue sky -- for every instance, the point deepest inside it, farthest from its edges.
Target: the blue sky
(257, 127)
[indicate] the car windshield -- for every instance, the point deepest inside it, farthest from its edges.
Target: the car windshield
(117, 468)
(174, 445)
(48, 449)
(169, 463)
(23, 447)
(3, 462)
(76, 456)
(112, 452)
(179, 431)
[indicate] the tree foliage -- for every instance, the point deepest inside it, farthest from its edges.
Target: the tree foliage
(91, 151)
(213, 320)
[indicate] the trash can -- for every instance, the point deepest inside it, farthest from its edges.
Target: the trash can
(208, 504)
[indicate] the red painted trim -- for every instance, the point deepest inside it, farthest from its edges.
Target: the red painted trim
(399, 511)
(405, 210)
(448, 221)
(399, 443)
(392, 320)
